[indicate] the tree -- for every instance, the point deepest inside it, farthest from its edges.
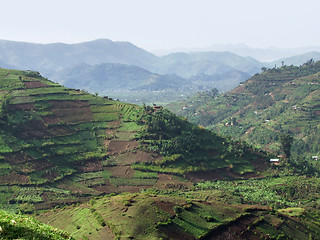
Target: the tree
(263, 69)
(286, 141)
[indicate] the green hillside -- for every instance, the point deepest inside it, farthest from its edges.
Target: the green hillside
(272, 208)
(101, 169)
(16, 226)
(278, 101)
(62, 146)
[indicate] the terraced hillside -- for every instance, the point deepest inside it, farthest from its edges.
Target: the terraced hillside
(278, 101)
(62, 146)
(252, 209)
(130, 172)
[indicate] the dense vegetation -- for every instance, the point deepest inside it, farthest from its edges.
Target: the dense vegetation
(278, 101)
(277, 207)
(102, 169)
(14, 226)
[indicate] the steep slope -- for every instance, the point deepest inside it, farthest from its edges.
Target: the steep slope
(211, 210)
(60, 145)
(279, 100)
(16, 226)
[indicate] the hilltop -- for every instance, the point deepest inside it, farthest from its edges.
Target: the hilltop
(279, 100)
(103, 169)
(66, 143)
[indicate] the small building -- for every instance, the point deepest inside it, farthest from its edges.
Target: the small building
(275, 161)
(315, 157)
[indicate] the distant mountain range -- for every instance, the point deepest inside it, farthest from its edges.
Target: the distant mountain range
(269, 54)
(103, 66)
(115, 76)
(49, 58)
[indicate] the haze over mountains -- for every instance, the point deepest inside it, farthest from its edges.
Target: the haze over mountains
(114, 68)
(269, 54)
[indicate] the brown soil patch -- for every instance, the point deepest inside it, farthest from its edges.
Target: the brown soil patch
(114, 189)
(165, 206)
(208, 175)
(69, 104)
(117, 147)
(220, 174)
(72, 111)
(235, 231)
(129, 158)
(51, 119)
(15, 158)
(85, 117)
(121, 171)
(176, 233)
(35, 84)
(92, 166)
(239, 89)
(14, 178)
(33, 134)
(59, 130)
(50, 175)
(69, 112)
(110, 133)
(56, 202)
(41, 131)
(22, 106)
(31, 166)
(113, 124)
(166, 181)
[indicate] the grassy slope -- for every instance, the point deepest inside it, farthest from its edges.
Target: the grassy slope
(282, 100)
(211, 210)
(62, 146)
(15, 226)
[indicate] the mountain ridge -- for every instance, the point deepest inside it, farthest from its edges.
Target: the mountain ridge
(278, 100)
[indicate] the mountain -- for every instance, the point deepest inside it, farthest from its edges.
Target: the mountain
(130, 83)
(132, 74)
(103, 169)
(268, 54)
(113, 76)
(48, 58)
(53, 137)
(4, 65)
(297, 60)
(277, 101)
(222, 82)
(190, 64)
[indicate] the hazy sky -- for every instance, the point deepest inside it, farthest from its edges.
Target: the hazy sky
(164, 24)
